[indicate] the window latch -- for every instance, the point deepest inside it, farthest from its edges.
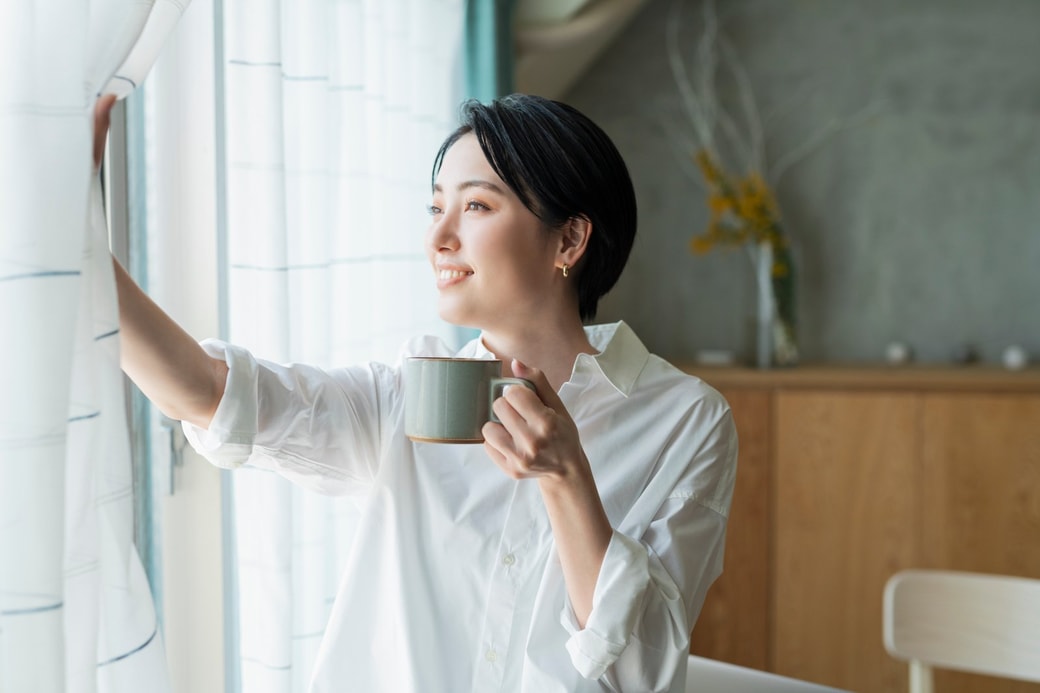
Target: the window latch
(169, 450)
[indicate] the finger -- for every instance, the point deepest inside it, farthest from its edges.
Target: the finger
(102, 119)
(497, 437)
(491, 444)
(498, 446)
(507, 413)
(544, 390)
(525, 417)
(104, 104)
(540, 414)
(526, 433)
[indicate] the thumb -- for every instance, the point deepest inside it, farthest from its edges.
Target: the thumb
(522, 370)
(545, 391)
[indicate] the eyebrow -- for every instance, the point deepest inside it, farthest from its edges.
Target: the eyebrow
(475, 183)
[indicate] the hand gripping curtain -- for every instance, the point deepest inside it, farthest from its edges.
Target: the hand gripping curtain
(335, 110)
(76, 614)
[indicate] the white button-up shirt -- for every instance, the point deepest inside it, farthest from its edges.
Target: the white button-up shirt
(454, 583)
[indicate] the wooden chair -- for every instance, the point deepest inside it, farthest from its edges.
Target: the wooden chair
(973, 622)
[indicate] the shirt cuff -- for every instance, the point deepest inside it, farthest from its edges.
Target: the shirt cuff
(616, 604)
(228, 442)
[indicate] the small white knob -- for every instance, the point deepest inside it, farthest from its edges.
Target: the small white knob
(897, 353)
(1015, 358)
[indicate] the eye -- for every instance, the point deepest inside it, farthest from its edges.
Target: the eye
(475, 206)
(433, 210)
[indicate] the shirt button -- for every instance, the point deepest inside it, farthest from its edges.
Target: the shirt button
(491, 655)
(508, 559)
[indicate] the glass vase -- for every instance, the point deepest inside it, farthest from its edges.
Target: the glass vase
(776, 341)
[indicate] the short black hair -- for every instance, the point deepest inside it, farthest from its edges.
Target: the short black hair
(561, 165)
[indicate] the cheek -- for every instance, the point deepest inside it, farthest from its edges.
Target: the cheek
(513, 251)
(427, 245)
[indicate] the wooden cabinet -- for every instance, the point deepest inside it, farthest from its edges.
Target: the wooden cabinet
(845, 506)
(847, 475)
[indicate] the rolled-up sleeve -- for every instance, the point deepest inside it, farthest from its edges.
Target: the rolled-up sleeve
(623, 582)
(640, 622)
(650, 590)
(228, 442)
(318, 428)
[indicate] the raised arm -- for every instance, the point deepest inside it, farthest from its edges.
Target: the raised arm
(165, 362)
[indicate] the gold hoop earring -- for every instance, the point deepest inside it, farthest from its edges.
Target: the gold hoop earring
(566, 269)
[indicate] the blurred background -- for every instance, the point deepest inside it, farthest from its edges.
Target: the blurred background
(913, 211)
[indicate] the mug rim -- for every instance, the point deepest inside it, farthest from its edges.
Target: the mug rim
(451, 358)
(449, 441)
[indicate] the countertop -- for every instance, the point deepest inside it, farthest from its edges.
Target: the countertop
(968, 378)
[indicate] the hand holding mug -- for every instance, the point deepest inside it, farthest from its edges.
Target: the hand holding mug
(536, 436)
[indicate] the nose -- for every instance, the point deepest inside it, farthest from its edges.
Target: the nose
(443, 233)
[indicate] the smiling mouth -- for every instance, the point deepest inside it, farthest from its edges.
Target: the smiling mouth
(449, 275)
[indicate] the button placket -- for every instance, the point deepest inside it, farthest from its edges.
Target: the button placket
(507, 576)
(498, 617)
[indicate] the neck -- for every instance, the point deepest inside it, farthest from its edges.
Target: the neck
(549, 347)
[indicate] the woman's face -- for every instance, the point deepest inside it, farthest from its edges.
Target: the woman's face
(493, 259)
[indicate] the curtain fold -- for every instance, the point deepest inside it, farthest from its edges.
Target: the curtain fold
(488, 48)
(334, 111)
(76, 614)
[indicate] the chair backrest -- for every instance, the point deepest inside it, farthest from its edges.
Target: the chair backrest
(711, 676)
(973, 622)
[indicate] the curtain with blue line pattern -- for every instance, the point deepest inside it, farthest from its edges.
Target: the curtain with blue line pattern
(76, 613)
(335, 110)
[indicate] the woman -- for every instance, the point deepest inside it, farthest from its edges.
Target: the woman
(573, 550)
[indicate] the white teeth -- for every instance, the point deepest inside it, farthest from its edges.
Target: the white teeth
(452, 274)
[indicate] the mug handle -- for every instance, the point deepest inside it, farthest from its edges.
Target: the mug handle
(500, 384)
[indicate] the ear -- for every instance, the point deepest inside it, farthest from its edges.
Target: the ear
(574, 239)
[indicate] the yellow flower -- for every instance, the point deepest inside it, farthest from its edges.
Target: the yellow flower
(719, 204)
(708, 168)
(741, 209)
(701, 244)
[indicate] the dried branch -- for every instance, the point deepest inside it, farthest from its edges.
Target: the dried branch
(682, 152)
(692, 104)
(755, 148)
(700, 97)
(834, 126)
(708, 63)
(735, 145)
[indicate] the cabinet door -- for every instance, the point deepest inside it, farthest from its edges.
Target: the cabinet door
(733, 625)
(981, 462)
(846, 519)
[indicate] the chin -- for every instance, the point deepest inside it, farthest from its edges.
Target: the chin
(456, 315)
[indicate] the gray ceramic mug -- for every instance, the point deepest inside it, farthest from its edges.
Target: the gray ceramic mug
(448, 400)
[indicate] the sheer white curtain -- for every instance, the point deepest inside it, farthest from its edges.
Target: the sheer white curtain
(334, 110)
(76, 613)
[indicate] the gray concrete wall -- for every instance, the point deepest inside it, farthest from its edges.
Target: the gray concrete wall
(919, 223)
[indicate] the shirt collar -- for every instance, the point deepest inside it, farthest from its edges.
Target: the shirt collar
(621, 356)
(620, 359)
